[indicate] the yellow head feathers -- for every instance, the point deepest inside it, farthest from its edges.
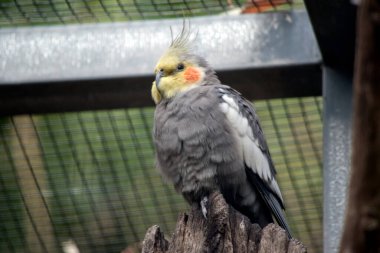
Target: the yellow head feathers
(177, 70)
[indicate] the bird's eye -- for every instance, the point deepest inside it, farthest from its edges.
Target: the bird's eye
(180, 67)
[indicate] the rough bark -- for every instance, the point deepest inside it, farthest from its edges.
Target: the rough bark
(362, 226)
(225, 230)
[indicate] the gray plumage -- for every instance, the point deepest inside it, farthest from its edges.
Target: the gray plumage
(209, 138)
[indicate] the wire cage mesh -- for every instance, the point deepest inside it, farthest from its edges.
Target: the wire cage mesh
(88, 178)
(25, 12)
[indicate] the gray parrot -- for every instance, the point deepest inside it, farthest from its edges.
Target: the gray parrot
(208, 138)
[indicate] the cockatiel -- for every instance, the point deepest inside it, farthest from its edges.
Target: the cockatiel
(208, 138)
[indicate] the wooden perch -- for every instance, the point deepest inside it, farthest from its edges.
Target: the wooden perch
(225, 230)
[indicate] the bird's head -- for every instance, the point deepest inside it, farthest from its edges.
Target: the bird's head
(179, 70)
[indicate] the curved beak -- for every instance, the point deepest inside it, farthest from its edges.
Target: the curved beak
(158, 78)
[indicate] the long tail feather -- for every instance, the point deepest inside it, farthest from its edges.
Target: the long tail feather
(272, 202)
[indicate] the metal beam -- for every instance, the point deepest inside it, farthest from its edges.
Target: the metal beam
(80, 67)
(337, 131)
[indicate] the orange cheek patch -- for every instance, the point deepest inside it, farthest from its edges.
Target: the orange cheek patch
(192, 75)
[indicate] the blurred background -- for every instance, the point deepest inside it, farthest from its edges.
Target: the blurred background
(85, 179)
(42, 12)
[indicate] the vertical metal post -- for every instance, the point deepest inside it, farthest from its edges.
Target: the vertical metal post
(334, 26)
(337, 94)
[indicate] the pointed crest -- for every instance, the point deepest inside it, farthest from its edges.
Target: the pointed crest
(182, 40)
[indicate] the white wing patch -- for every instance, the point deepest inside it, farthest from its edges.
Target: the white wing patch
(249, 146)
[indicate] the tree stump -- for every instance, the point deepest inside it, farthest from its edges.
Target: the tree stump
(225, 230)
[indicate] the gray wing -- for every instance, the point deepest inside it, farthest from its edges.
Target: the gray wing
(260, 170)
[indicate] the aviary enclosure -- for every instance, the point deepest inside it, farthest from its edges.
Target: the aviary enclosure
(76, 154)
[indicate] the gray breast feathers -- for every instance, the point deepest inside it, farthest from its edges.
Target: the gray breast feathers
(194, 145)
